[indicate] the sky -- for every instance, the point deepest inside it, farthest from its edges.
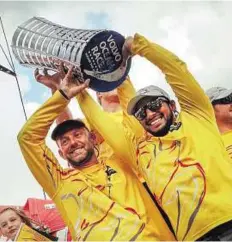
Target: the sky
(198, 32)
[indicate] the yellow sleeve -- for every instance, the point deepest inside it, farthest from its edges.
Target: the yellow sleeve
(190, 95)
(126, 92)
(37, 155)
(112, 131)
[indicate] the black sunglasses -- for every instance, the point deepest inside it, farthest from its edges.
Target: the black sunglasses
(153, 106)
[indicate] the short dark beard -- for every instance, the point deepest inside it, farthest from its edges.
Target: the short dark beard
(83, 161)
(164, 131)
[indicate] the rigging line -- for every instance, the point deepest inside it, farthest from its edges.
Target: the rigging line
(13, 67)
(17, 81)
(8, 48)
(21, 97)
(6, 56)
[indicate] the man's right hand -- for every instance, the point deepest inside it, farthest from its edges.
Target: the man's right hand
(70, 86)
(51, 81)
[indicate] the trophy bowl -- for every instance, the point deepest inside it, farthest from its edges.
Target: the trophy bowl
(98, 53)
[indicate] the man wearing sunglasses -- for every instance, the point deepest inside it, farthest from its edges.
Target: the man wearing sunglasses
(221, 99)
(180, 155)
(148, 101)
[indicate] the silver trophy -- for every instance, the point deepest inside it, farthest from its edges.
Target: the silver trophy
(98, 53)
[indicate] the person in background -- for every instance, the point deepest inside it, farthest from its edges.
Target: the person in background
(12, 220)
(221, 99)
(98, 201)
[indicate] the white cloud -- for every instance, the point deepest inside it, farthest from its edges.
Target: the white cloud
(75, 109)
(46, 95)
(24, 83)
(31, 107)
(16, 180)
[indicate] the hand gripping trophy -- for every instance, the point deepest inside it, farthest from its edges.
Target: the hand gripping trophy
(98, 53)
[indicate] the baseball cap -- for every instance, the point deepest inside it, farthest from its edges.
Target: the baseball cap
(66, 126)
(149, 91)
(216, 93)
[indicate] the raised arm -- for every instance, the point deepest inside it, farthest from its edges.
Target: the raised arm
(31, 138)
(126, 92)
(53, 83)
(37, 155)
(190, 95)
(112, 131)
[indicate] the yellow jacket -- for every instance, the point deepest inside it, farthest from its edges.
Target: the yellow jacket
(26, 233)
(227, 139)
